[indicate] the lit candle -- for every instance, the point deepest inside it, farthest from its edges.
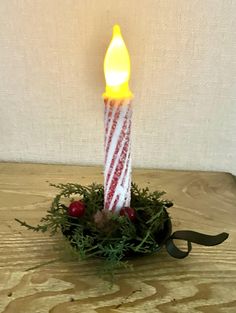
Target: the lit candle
(118, 113)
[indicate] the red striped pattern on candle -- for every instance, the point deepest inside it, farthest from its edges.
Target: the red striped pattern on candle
(117, 173)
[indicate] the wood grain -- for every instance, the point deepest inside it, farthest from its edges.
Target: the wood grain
(203, 282)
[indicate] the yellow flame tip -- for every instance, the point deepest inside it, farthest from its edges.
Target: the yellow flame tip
(116, 30)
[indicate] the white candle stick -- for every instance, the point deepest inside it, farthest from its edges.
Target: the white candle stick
(117, 174)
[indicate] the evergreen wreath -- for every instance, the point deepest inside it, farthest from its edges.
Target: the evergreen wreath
(95, 232)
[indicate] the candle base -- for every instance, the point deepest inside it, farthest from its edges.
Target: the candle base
(93, 231)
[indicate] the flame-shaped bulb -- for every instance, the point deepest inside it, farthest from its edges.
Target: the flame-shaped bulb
(117, 67)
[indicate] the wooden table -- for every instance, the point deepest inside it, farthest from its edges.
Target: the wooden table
(203, 282)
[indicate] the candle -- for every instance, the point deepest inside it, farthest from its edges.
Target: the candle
(117, 120)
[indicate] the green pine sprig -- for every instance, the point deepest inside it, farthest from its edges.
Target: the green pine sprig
(116, 237)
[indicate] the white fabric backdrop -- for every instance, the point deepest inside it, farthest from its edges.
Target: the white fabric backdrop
(183, 55)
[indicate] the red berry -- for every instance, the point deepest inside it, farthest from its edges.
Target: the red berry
(76, 209)
(129, 212)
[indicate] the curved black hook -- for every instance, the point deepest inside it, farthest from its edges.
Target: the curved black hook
(192, 236)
